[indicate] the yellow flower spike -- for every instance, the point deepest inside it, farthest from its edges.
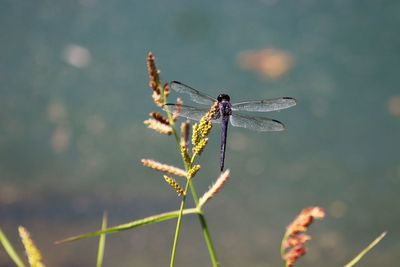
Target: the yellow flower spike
(174, 184)
(206, 128)
(192, 172)
(33, 253)
(201, 130)
(198, 149)
(195, 134)
(185, 154)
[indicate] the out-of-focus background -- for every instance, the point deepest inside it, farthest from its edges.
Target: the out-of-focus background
(74, 93)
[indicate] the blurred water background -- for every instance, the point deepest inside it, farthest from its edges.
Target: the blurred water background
(74, 93)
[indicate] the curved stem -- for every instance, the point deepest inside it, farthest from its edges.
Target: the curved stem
(208, 240)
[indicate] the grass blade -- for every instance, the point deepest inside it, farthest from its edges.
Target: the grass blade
(102, 241)
(366, 250)
(123, 227)
(10, 250)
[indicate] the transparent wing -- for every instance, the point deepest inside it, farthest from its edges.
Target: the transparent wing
(195, 95)
(259, 124)
(191, 113)
(265, 105)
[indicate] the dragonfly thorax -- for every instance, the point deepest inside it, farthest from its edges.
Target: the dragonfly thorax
(225, 108)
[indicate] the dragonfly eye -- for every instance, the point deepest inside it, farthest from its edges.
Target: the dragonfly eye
(223, 97)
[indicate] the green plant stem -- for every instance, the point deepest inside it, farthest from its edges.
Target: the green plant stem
(169, 114)
(203, 223)
(204, 227)
(194, 195)
(179, 220)
(208, 240)
(178, 226)
(206, 233)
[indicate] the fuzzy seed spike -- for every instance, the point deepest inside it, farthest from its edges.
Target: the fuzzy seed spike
(174, 184)
(154, 73)
(158, 126)
(33, 253)
(163, 167)
(215, 188)
(159, 117)
(177, 109)
(192, 172)
(293, 244)
(184, 133)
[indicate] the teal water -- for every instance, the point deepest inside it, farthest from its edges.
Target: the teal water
(74, 93)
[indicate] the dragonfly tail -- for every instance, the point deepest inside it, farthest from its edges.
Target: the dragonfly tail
(224, 134)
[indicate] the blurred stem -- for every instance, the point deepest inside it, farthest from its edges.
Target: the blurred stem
(284, 239)
(102, 241)
(366, 250)
(169, 114)
(10, 250)
(203, 223)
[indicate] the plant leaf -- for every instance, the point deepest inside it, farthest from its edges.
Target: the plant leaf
(10, 250)
(122, 227)
(366, 250)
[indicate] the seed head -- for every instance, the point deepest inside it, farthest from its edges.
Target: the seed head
(293, 243)
(33, 253)
(174, 184)
(163, 167)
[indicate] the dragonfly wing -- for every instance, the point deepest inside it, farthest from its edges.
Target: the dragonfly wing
(195, 95)
(191, 113)
(259, 124)
(265, 105)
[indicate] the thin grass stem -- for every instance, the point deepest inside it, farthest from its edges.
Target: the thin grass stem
(208, 240)
(206, 233)
(366, 250)
(178, 226)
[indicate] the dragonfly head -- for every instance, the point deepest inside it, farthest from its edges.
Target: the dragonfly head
(223, 97)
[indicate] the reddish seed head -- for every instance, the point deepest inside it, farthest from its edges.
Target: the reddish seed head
(294, 242)
(304, 219)
(294, 254)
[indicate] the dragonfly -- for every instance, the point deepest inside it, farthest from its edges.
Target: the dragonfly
(228, 111)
